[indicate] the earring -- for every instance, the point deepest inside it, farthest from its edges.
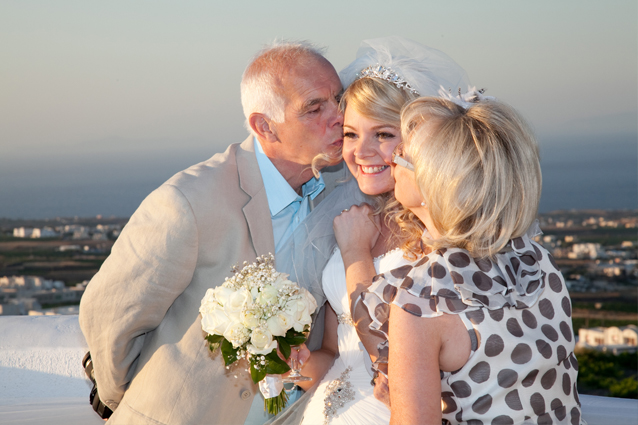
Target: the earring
(422, 204)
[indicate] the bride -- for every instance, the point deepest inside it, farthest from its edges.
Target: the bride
(387, 74)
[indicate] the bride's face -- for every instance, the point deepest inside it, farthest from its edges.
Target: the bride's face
(367, 150)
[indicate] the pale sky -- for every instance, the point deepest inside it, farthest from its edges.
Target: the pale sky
(108, 78)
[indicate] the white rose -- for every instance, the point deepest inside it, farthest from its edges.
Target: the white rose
(269, 294)
(261, 342)
(311, 302)
(208, 300)
(222, 294)
(215, 321)
(236, 302)
(279, 324)
(249, 319)
(236, 334)
(294, 308)
(304, 320)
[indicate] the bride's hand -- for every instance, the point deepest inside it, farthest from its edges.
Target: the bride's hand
(300, 353)
(356, 229)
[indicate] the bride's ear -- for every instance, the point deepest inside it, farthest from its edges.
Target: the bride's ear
(262, 127)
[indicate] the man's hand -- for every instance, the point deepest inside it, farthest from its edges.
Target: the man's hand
(382, 390)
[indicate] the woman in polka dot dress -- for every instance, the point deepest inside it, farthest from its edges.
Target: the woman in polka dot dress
(478, 331)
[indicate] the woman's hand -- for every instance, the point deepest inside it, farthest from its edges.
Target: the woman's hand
(356, 230)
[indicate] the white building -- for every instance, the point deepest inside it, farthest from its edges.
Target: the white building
(63, 248)
(45, 232)
(586, 250)
(30, 283)
(613, 338)
(22, 232)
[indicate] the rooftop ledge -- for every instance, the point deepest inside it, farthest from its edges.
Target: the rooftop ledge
(42, 380)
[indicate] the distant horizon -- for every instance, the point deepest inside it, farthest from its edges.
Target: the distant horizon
(81, 218)
(579, 174)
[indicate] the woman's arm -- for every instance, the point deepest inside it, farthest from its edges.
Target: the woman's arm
(419, 349)
(413, 369)
(321, 360)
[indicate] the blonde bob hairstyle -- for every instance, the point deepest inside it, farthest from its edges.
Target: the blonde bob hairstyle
(477, 169)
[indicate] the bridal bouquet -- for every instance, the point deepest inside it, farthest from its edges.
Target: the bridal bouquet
(252, 314)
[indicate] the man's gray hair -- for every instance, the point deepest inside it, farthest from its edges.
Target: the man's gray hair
(262, 88)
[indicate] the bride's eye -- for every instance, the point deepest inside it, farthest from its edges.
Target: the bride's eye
(385, 135)
(349, 135)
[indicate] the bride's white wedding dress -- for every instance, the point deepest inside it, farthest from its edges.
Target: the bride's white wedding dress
(345, 394)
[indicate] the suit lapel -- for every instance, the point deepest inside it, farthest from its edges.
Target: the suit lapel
(332, 176)
(256, 209)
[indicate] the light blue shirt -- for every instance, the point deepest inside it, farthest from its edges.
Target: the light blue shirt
(287, 208)
(287, 211)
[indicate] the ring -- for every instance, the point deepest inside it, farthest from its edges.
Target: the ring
(346, 210)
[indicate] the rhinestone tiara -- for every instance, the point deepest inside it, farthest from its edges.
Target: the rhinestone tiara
(387, 74)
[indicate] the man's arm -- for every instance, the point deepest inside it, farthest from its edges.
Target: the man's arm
(150, 265)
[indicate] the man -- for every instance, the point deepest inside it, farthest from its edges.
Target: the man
(140, 313)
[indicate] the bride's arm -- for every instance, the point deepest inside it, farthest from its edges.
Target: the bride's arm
(357, 232)
(321, 360)
(356, 235)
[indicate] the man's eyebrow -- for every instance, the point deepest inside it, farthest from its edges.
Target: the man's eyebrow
(312, 102)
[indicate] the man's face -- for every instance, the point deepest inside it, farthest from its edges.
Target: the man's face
(313, 123)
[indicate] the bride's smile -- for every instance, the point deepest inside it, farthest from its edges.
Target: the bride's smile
(367, 149)
(366, 169)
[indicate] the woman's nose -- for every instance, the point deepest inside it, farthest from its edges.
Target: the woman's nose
(364, 148)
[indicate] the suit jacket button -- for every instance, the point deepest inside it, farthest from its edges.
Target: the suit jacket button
(245, 395)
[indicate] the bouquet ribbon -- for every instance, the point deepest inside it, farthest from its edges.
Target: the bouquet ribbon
(271, 386)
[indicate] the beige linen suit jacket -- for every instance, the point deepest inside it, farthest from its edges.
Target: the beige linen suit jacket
(140, 312)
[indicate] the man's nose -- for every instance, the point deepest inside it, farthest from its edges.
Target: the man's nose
(336, 117)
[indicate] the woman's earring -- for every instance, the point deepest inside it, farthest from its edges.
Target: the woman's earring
(422, 204)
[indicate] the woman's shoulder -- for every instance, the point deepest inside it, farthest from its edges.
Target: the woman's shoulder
(450, 280)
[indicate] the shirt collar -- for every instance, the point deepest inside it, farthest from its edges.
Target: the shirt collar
(279, 193)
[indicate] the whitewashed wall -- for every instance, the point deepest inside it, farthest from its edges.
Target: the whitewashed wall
(42, 380)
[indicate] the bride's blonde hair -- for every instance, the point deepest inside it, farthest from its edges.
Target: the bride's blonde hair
(375, 99)
(478, 171)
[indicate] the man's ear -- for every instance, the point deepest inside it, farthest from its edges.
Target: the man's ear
(262, 127)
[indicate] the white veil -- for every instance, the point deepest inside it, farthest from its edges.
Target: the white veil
(424, 68)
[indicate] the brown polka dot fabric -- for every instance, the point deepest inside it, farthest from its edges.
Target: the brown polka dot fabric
(517, 310)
